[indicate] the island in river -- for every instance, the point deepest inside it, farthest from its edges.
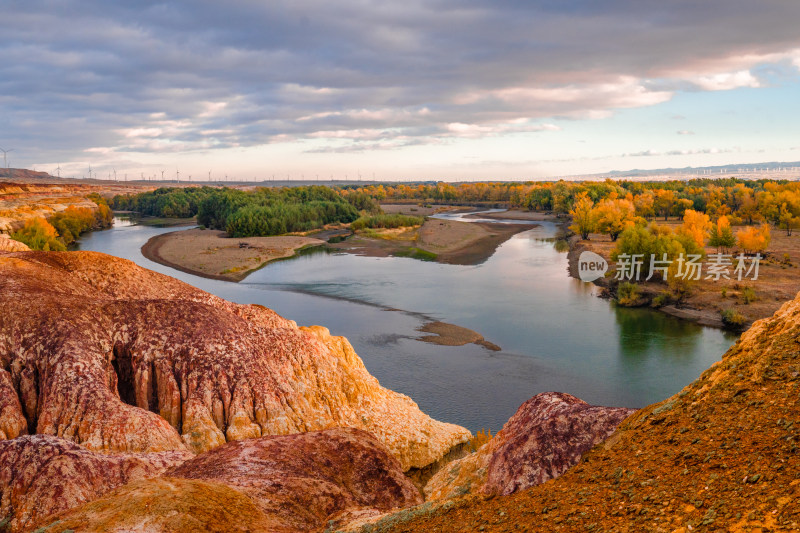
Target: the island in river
(211, 254)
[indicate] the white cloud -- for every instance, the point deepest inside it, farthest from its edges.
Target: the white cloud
(727, 81)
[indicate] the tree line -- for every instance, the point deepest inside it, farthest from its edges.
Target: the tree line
(261, 212)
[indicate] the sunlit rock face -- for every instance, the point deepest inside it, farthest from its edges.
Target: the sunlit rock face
(41, 475)
(7, 244)
(546, 436)
(116, 358)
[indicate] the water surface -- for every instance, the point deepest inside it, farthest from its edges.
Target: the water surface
(555, 334)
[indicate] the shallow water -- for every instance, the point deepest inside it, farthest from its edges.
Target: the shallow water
(555, 334)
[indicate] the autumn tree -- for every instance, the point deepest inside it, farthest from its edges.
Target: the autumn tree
(721, 236)
(644, 205)
(39, 234)
(583, 216)
(787, 219)
(695, 225)
(753, 239)
(663, 202)
(614, 215)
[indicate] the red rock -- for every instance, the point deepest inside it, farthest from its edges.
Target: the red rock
(300, 480)
(284, 483)
(546, 436)
(118, 358)
(42, 475)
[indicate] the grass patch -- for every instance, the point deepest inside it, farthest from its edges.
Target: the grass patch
(386, 221)
(417, 253)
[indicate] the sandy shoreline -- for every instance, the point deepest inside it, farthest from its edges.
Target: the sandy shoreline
(444, 241)
(208, 253)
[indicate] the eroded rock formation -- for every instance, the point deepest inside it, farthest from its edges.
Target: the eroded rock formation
(547, 435)
(302, 479)
(41, 475)
(117, 358)
(280, 483)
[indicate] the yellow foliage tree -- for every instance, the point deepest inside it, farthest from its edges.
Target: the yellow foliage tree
(39, 234)
(613, 216)
(583, 216)
(696, 225)
(753, 239)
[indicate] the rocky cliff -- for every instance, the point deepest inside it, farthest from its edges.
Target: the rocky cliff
(41, 475)
(546, 436)
(721, 455)
(279, 484)
(116, 358)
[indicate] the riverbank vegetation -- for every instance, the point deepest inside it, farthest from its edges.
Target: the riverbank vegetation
(61, 229)
(386, 221)
(261, 212)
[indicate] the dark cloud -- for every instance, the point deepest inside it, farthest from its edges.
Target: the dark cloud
(197, 75)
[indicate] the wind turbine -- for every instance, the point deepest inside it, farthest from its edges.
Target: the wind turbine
(90, 171)
(115, 174)
(5, 160)
(58, 170)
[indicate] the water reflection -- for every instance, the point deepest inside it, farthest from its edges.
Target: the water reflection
(678, 339)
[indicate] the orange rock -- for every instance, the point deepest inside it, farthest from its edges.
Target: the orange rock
(168, 505)
(7, 244)
(42, 475)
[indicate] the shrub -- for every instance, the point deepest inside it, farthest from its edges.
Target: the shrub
(748, 295)
(479, 439)
(733, 319)
(629, 294)
(661, 299)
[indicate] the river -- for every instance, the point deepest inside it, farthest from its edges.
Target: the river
(555, 334)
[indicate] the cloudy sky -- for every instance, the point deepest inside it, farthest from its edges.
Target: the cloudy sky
(436, 89)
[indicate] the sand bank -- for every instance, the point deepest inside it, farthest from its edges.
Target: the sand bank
(452, 335)
(445, 241)
(210, 254)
